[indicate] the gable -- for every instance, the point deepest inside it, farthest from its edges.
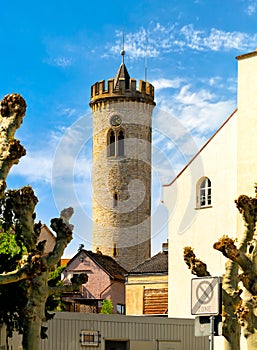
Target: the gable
(217, 160)
(225, 126)
(47, 235)
(86, 260)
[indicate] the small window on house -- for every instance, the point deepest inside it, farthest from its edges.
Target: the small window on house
(121, 309)
(204, 193)
(90, 338)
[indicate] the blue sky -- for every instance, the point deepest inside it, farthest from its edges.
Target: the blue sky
(53, 51)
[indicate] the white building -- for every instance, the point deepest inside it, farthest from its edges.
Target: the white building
(200, 200)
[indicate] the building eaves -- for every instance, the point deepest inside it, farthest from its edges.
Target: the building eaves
(107, 264)
(199, 152)
(247, 55)
(158, 264)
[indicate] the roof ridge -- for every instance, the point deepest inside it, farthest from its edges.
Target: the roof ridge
(201, 149)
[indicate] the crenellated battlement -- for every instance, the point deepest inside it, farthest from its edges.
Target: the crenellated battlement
(126, 89)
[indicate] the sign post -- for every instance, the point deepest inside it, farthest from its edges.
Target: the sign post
(206, 300)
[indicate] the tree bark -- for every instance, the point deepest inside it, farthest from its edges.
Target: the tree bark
(19, 205)
(230, 297)
(34, 313)
(244, 256)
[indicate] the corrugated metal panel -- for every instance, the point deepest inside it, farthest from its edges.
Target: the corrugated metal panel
(64, 331)
(155, 301)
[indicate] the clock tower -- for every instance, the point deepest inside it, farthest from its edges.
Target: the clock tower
(121, 180)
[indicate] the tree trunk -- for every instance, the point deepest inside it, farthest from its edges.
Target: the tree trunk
(231, 328)
(34, 314)
(233, 342)
(252, 341)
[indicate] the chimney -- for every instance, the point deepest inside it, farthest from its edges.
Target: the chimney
(165, 247)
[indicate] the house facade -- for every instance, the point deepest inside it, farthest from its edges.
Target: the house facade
(147, 286)
(200, 200)
(106, 281)
(47, 235)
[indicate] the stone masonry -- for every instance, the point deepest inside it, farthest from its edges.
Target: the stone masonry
(122, 182)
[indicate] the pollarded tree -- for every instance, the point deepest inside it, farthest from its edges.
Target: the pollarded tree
(230, 297)
(24, 268)
(239, 305)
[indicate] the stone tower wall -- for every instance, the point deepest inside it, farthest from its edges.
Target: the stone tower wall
(122, 230)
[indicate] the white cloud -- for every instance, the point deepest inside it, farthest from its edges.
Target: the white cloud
(62, 61)
(188, 97)
(195, 115)
(251, 7)
(183, 121)
(64, 154)
(172, 38)
(216, 39)
(35, 167)
(166, 83)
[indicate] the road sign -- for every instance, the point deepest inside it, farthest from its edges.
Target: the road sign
(205, 296)
(202, 326)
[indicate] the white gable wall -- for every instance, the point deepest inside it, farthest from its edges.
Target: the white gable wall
(200, 228)
(230, 161)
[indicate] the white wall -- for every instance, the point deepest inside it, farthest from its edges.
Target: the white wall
(200, 228)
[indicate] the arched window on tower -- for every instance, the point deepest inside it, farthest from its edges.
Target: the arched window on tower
(121, 143)
(204, 193)
(111, 144)
(115, 143)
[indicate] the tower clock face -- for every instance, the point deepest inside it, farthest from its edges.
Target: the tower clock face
(115, 120)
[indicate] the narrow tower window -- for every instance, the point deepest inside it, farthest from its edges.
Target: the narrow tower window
(115, 250)
(121, 143)
(115, 200)
(112, 144)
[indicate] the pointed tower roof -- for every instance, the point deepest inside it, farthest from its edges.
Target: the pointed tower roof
(122, 74)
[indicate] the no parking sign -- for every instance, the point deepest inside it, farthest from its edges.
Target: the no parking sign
(206, 296)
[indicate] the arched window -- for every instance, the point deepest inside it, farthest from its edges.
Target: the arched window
(115, 143)
(112, 144)
(121, 143)
(204, 193)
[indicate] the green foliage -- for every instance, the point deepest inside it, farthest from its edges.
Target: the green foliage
(8, 244)
(12, 248)
(54, 277)
(107, 307)
(54, 301)
(10, 252)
